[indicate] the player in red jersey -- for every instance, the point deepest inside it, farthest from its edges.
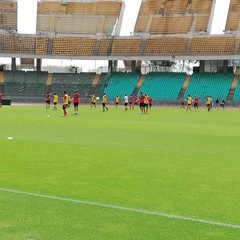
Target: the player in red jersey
(150, 102)
(131, 102)
(135, 102)
(195, 103)
(48, 100)
(141, 101)
(76, 97)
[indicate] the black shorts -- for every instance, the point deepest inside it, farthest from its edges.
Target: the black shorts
(146, 105)
(103, 104)
(48, 102)
(93, 103)
(130, 103)
(55, 103)
(195, 104)
(117, 103)
(141, 104)
(64, 106)
(75, 104)
(125, 104)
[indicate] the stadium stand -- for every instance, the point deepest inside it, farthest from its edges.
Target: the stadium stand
(173, 17)
(8, 15)
(24, 85)
(165, 46)
(82, 82)
(73, 46)
(236, 96)
(41, 45)
(212, 45)
(233, 17)
(20, 43)
(78, 17)
(121, 83)
(209, 84)
(126, 47)
(163, 86)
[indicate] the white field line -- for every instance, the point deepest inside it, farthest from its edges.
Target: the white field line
(124, 208)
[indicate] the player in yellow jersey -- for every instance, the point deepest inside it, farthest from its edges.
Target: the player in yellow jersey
(65, 103)
(104, 102)
(145, 101)
(55, 101)
(208, 103)
(117, 100)
(189, 103)
(93, 101)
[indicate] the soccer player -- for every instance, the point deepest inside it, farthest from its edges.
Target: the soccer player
(145, 108)
(136, 101)
(195, 103)
(48, 100)
(208, 103)
(55, 101)
(126, 102)
(65, 102)
(0, 100)
(117, 100)
(182, 103)
(141, 102)
(131, 102)
(76, 97)
(217, 101)
(222, 105)
(93, 101)
(150, 102)
(189, 103)
(104, 102)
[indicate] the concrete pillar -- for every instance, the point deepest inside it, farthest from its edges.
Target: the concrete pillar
(110, 63)
(202, 66)
(13, 64)
(133, 65)
(39, 64)
(225, 66)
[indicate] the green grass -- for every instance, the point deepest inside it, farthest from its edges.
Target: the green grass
(168, 161)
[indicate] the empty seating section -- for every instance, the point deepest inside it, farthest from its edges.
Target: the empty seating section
(73, 46)
(82, 82)
(163, 86)
(41, 45)
(212, 46)
(126, 47)
(105, 46)
(173, 17)
(121, 83)
(19, 44)
(201, 6)
(78, 17)
(201, 23)
(236, 96)
(8, 15)
(209, 84)
(166, 46)
(24, 84)
(171, 25)
(233, 16)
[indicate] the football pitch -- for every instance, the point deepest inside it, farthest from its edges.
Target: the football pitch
(169, 174)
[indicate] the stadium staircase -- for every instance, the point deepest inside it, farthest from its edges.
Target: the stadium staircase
(96, 79)
(139, 84)
(184, 86)
(233, 88)
(2, 82)
(48, 83)
(236, 96)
